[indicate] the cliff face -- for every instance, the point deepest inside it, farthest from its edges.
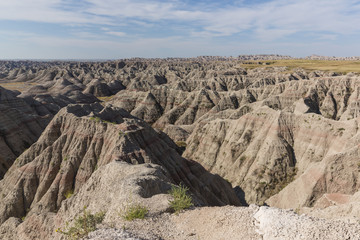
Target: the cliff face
(21, 123)
(82, 138)
(286, 138)
(292, 127)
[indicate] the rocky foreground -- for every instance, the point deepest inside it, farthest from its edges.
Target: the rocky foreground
(214, 223)
(104, 135)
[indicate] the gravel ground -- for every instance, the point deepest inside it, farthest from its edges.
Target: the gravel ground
(210, 223)
(274, 223)
(112, 234)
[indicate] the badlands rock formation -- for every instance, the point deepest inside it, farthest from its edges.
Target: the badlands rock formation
(21, 123)
(288, 139)
(79, 140)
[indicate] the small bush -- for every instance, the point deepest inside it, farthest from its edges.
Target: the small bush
(181, 144)
(83, 225)
(104, 121)
(135, 211)
(181, 199)
(69, 193)
(96, 119)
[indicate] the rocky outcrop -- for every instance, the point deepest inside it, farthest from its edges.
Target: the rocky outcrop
(266, 149)
(83, 138)
(288, 138)
(233, 223)
(21, 123)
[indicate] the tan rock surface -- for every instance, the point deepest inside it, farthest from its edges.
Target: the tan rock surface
(287, 138)
(82, 138)
(20, 126)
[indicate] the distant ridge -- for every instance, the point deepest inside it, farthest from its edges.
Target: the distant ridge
(250, 57)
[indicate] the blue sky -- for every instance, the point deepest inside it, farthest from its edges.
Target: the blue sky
(110, 29)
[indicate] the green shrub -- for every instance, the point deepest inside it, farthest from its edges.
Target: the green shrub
(69, 193)
(134, 211)
(181, 199)
(83, 225)
(104, 121)
(96, 119)
(181, 144)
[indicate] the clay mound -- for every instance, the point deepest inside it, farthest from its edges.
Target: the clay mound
(21, 123)
(101, 89)
(179, 133)
(336, 206)
(326, 183)
(263, 151)
(261, 129)
(62, 88)
(164, 106)
(82, 138)
(109, 189)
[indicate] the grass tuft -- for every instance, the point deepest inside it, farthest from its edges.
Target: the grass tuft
(83, 225)
(181, 199)
(181, 144)
(135, 211)
(69, 193)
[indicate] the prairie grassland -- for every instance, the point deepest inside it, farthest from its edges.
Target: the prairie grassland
(105, 99)
(20, 86)
(308, 65)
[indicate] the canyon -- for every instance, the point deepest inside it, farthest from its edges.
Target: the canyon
(265, 151)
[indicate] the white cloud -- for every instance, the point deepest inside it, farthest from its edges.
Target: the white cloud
(117, 34)
(48, 11)
(268, 21)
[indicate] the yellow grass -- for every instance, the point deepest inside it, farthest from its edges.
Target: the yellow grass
(105, 99)
(309, 65)
(20, 86)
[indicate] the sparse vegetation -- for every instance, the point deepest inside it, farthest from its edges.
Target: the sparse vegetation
(181, 144)
(276, 185)
(83, 225)
(134, 211)
(69, 193)
(19, 86)
(96, 119)
(105, 99)
(122, 133)
(181, 199)
(104, 121)
(309, 65)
